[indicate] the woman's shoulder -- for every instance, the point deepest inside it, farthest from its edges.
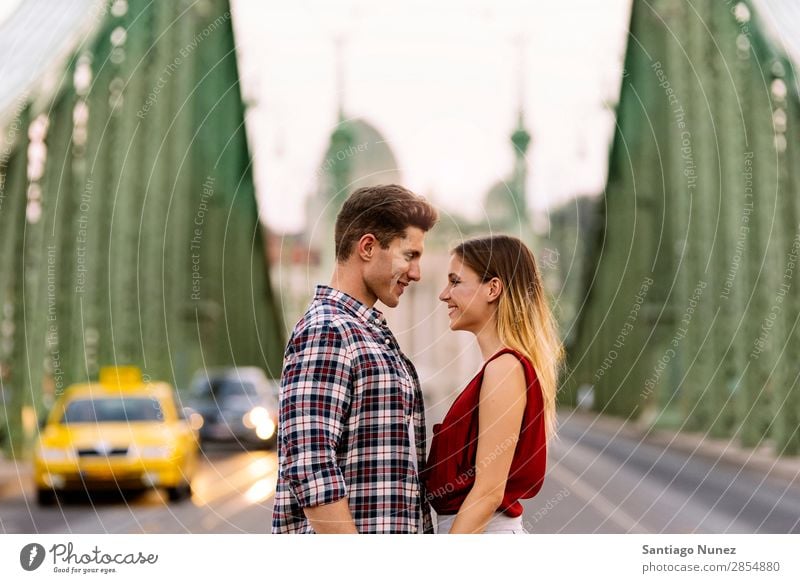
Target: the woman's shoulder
(506, 359)
(504, 382)
(505, 365)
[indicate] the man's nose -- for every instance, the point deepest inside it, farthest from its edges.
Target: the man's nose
(414, 272)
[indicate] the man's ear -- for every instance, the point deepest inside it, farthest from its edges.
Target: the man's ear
(495, 289)
(367, 245)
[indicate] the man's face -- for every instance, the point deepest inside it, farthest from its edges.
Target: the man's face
(391, 270)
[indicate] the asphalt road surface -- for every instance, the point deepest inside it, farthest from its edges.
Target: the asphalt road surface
(602, 482)
(597, 482)
(233, 493)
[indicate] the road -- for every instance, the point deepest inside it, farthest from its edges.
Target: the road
(597, 482)
(602, 482)
(233, 493)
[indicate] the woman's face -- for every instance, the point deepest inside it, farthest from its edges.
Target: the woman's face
(468, 300)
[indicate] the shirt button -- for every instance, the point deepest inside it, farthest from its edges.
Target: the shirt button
(387, 342)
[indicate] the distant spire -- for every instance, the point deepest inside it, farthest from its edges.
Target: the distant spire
(342, 138)
(520, 138)
(520, 42)
(339, 52)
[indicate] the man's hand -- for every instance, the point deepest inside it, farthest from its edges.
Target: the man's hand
(332, 518)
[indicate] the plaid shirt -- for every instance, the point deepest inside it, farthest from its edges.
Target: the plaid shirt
(348, 395)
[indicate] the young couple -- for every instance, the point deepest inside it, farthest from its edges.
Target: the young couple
(352, 423)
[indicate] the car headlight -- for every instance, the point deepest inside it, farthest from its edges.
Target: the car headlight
(150, 451)
(55, 454)
(255, 417)
(196, 421)
(266, 429)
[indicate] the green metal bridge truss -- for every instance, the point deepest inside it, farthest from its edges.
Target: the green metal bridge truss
(690, 315)
(128, 219)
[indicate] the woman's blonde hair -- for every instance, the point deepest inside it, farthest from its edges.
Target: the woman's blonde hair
(524, 320)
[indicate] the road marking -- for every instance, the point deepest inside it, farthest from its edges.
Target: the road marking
(262, 490)
(211, 484)
(607, 508)
(264, 471)
(259, 492)
(207, 489)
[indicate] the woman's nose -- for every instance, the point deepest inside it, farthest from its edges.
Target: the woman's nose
(444, 295)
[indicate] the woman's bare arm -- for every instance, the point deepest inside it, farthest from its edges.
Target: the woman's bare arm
(502, 406)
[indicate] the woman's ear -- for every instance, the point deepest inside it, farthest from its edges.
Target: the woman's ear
(495, 289)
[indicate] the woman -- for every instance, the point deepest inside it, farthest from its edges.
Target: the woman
(506, 414)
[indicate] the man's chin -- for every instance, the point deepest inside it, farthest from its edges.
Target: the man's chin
(390, 301)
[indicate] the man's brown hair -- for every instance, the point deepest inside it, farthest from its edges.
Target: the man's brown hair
(385, 211)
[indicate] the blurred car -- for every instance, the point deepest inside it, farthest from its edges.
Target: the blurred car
(119, 433)
(236, 404)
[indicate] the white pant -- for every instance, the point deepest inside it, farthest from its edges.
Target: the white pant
(499, 524)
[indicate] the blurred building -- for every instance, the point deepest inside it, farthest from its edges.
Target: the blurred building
(506, 206)
(358, 155)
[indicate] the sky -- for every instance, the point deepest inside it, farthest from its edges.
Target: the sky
(7, 7)
(442, 82)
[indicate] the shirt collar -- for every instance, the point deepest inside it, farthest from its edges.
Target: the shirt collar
(371, 316)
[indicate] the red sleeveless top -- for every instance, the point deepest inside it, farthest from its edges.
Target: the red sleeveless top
(449, 473)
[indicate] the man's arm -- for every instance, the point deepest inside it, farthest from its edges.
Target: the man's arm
(331, 518)
(315, 400)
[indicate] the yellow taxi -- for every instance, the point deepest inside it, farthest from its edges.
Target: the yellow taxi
(119, 433)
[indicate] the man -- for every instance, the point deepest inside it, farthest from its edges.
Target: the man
(352, 422)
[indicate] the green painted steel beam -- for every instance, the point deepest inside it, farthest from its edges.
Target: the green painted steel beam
(148, 114)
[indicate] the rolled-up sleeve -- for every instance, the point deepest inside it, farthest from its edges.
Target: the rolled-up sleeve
(315, 398)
